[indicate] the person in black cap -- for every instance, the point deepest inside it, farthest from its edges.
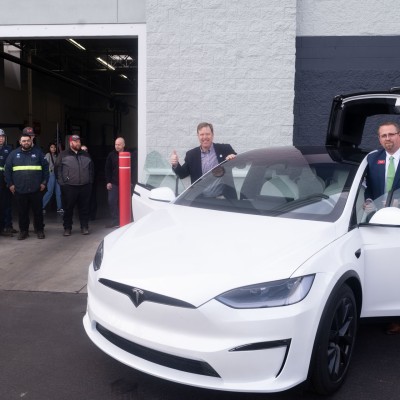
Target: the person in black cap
(5, 150)
(28, 131)
(74, 172)
(27, 173)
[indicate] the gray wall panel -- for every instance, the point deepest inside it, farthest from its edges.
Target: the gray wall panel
(328, 66)
(50, 12)
(131, 11)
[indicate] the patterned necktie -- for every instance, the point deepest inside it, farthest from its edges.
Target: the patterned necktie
(390, 174)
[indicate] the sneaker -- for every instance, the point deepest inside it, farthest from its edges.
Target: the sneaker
(23, 235)
(85, 231)
(40, 235)
(60, 211)
(67, 232)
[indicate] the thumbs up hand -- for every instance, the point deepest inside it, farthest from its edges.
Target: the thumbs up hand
(174, 160)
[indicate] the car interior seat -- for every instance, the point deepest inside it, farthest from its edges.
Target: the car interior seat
(338, 182)
(309, 182)
(280, 186)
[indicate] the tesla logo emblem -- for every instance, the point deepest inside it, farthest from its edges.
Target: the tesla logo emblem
(138, 296)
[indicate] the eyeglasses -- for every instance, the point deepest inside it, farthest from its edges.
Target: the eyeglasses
(388, 135)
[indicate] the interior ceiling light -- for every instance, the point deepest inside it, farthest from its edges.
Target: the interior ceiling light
(123, 76)
(122, 60)
(76, 44)
(106, 64)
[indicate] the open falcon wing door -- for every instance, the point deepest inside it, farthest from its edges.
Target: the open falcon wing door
(354, 117)
(158, 186)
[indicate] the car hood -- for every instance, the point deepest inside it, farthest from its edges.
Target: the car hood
(194, 254)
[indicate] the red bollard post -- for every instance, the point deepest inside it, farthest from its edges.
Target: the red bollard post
(124, 188)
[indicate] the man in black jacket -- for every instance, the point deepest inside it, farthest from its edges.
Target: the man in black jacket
(112, 180)
(5, 151)
(202, 159)
(74, 171)
(27, 173)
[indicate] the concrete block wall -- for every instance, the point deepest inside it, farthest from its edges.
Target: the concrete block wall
(228, 62)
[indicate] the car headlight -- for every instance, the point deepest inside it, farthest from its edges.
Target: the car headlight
(270, 294)
(98, 257)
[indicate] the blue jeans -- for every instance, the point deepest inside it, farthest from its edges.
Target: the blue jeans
(52, 185)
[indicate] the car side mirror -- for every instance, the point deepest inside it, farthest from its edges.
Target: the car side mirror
(386, 216)
(164, 194)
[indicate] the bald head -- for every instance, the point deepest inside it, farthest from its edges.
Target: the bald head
(119, 144)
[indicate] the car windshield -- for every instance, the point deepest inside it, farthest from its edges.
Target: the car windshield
(290, 182)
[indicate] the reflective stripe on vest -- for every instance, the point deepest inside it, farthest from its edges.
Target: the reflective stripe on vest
(27, 168)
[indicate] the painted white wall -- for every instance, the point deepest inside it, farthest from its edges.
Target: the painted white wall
(231, 63)
(348, 17)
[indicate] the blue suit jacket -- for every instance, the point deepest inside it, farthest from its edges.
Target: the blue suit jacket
(192, 164)
(375, 178)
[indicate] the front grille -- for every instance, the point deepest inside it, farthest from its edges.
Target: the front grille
(145, 295)
(158, 357)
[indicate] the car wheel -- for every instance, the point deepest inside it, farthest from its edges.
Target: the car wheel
(334, 342)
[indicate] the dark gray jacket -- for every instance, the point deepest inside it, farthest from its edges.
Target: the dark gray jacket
(74, 169)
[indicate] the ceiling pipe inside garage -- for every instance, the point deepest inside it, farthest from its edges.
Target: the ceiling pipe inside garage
(54, 75)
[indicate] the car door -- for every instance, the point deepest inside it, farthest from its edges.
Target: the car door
(158, 186)
(353, 123)
(354, 118)
(381, 271)
(380, 237)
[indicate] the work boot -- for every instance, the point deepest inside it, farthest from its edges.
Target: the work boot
(85, 231)
(40, 235)
(67, 232)
(10, 229)
(6, 233)
(23, 235)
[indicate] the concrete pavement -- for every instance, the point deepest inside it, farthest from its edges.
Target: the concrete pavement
(54, 264)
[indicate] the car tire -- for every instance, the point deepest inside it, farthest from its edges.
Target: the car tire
(334, 342)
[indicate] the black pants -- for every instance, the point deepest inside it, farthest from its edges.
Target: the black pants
(113, 203)
(3, 190)
(25, 201)
(76, 195)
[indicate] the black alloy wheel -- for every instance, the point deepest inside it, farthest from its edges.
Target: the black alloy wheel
(334, 342)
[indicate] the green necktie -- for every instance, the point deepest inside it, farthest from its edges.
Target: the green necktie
(390, 174)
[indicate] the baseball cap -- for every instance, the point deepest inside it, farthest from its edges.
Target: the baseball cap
(2, 133)
(28, 131)
(73, 138)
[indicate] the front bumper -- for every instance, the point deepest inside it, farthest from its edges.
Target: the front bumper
(213, 346)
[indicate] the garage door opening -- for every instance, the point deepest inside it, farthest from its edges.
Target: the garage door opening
(70, 85)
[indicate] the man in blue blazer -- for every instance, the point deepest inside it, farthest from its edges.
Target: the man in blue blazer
(380, 179)
(379, 161)
(202, 159)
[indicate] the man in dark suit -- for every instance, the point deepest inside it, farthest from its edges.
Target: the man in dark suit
(202, 159)
(383, 175)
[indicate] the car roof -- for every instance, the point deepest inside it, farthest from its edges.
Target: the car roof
(344, 154)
